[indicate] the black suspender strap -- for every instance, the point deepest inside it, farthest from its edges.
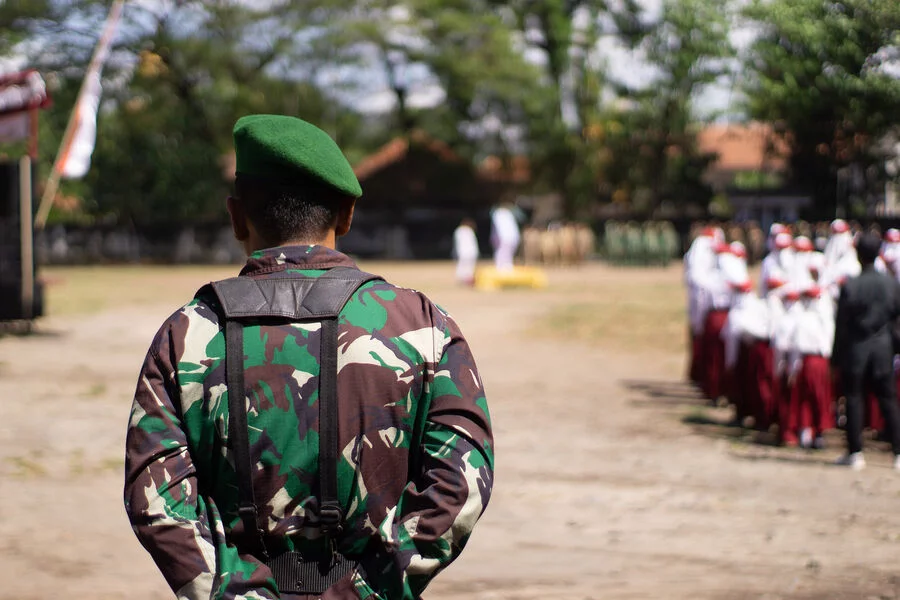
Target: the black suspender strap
(330, 514)
(319, 299)
(238, 431)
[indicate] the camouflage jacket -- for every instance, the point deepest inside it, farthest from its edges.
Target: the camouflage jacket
(416, 466)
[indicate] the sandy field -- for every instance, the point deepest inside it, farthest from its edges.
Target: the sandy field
(614, 481)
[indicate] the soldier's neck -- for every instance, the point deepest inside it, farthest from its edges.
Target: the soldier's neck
(254, 242)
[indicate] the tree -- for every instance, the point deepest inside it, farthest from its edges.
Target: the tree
(185, 71)
(566, 105)
(180, 75)
(689, 49)
(822, 72)
(458, 49)
(16, 21)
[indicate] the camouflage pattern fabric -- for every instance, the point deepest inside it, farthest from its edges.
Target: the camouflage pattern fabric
(416, 466)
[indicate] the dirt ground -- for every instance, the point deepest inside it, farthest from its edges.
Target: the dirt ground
(613, 480)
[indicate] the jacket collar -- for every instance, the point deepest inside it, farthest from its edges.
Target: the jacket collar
(281, 258)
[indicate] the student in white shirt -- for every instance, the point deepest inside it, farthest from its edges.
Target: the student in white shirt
(745, 329)
(841, 262)
(777, 265)
(811, 410)
(717, 292)
(699, 261)
(808, 263)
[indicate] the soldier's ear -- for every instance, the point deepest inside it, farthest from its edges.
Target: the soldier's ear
(238, 216)
(345, 216)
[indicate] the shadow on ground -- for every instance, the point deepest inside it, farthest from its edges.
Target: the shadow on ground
(688, 405)
(868, 584)
(23, 329)
(664, 391)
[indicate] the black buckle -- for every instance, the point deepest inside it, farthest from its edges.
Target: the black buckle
(294, 574)
(330, 519)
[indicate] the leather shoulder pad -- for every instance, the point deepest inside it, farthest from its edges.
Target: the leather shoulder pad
(295, 298)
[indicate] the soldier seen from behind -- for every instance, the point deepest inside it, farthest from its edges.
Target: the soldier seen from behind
(305, 430)
(863, 348)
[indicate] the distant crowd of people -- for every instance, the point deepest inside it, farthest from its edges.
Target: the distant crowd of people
(786, 351)
(561, 243)
(558, 244)
(648, 243)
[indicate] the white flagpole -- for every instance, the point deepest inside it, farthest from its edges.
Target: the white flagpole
(101, 51)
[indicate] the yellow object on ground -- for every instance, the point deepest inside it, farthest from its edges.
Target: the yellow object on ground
(489, 278)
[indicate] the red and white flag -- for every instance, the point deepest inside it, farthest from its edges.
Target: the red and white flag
(75, 157)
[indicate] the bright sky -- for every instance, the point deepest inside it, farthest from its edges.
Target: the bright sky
(623, 65)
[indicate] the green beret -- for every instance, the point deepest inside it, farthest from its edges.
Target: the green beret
(282, 148)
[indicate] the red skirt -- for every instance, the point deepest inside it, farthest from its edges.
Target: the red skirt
(715, 383)
(810, 404)
(762, 396)
(740, 383)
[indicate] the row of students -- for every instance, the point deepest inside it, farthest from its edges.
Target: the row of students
(768, 350)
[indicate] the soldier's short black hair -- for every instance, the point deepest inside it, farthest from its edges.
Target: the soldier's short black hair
(287, 211)
(868, 246)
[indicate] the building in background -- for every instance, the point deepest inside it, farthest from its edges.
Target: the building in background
(416, 190)
(750, 170)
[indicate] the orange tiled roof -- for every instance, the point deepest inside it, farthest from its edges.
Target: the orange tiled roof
(397, 149)
(744, 147)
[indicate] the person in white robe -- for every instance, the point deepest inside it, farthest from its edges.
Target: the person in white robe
(465, 251)
(504, 237)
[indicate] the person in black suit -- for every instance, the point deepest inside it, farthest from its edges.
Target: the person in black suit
(863, 348)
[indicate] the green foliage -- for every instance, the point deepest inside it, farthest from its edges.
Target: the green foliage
(460, 46)
(16, 17)
(720, 207)
(181, 73)
(652, 153)
(756, 180)
(565, 104)
(179, 78)
(820, 70)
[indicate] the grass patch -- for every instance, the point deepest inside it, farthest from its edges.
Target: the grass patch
(82, 290)
(112, 464)
(94, 391)
(24, 467)
(633, 316)
(624, 309)
(87, 290)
